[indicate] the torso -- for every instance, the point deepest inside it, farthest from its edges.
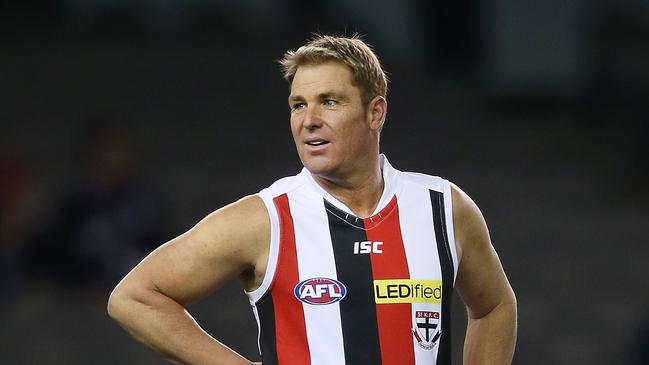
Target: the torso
(339, 289)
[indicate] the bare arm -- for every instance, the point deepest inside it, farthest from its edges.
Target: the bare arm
(484, 288)
(150, 301)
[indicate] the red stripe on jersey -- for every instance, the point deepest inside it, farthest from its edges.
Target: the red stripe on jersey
(394, 320)
(290, 327)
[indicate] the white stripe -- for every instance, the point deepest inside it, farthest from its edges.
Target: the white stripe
(416, 219)
(316, 259)
(254, 311)
(273, 251)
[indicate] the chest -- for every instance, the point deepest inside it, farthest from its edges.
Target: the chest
(393, 255)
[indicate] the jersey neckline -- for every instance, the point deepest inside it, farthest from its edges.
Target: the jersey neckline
(390, 176)
(365, 224)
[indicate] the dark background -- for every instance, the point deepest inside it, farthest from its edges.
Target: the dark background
(125, 122)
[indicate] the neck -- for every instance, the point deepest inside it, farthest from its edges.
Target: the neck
(360, 193)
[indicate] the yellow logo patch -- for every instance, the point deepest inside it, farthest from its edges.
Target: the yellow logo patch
(407, 291)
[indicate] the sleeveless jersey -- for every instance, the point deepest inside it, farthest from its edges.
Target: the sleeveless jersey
(339, 289)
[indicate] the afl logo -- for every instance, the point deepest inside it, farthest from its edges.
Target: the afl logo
(320, 291)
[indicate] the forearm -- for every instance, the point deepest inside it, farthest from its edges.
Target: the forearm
(166, 327)
(491, 339)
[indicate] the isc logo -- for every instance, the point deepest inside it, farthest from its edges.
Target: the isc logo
(367, 247)
(319, 291)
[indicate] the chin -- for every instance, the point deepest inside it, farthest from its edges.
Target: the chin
(318, 165)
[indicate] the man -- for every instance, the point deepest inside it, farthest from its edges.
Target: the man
(349, 262)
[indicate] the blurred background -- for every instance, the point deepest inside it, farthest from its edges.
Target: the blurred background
(122, 123)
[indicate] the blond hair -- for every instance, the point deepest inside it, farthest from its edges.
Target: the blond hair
(353, 52)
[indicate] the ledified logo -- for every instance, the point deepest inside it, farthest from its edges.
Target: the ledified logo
(407, 291)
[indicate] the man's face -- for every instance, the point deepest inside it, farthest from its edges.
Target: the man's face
(329, 122)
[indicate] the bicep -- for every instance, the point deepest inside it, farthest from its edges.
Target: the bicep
(481, 281)
(216, 250)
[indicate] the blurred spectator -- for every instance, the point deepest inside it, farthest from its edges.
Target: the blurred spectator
(106, 222)
(15, 220)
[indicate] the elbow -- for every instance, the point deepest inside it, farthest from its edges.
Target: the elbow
(117, 303)
(509, 305)
(129, 298)
(512, 302)
(114, 303)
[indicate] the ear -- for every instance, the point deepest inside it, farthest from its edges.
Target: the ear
(377, 110)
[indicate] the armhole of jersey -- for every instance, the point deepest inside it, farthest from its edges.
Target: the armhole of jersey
(448, 209)
(255, 295)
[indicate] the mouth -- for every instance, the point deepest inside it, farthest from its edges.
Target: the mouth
(316, 142)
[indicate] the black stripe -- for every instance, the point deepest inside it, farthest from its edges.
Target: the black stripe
(446, 263)
(267, 345)
(357, 309)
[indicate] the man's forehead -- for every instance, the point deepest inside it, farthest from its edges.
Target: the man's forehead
(328, 77)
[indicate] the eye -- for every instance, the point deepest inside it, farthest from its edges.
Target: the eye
(297, 106)
(330, 102)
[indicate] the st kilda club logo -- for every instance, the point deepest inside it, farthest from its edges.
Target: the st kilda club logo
(427, 329)
(320, 291)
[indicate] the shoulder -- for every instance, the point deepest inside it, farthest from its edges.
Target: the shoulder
(465, 210)
(283, 186)
(470, 228)
(430, 182)
(242, 216)
(249, 208)
(237, 232)
(468, 224)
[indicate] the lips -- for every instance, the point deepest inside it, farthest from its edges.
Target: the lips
(315, 142)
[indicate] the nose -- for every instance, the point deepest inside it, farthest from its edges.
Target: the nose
(312, 118)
